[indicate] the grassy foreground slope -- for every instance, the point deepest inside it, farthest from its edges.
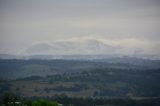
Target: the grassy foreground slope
(95, 83)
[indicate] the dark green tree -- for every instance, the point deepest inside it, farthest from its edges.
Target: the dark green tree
(44, 103)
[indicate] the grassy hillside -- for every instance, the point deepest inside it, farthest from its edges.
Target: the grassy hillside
(95, 83)
(106, 81)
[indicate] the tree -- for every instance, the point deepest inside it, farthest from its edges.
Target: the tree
(44, 103)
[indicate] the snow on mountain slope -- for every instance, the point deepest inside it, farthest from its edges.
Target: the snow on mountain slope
(87, 46)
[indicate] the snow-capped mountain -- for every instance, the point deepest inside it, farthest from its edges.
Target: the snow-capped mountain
(87, 46)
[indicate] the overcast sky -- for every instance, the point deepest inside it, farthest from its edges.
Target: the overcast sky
(121, 22)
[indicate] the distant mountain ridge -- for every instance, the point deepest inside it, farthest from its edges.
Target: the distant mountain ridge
(75, 49)
(89, 46)
(78, 48)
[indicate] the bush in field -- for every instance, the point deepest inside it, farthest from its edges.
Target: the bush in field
(44, 103)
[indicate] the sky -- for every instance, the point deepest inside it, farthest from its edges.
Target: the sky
(132, 24)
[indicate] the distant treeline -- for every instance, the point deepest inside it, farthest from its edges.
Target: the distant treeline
(13, 69)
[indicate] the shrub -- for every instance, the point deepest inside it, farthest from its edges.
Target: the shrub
(44, 103)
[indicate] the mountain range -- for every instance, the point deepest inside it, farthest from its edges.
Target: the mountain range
(77, 49)
(89, 46)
